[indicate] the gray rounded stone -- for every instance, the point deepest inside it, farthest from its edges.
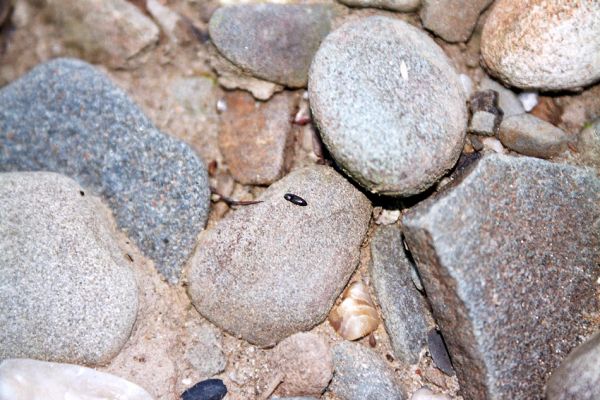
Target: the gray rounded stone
(546, 45)
(395, 5)
(531, 136)
(66, 292)
(66, 116)
(275, 42)
(360, 373)
(275, 268)
(389, 105)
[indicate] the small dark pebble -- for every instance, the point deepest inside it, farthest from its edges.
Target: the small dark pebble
(439, 352)
(210, 389)
(297, 200)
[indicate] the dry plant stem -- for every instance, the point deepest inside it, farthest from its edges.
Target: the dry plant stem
(231, 202)
(271, 386)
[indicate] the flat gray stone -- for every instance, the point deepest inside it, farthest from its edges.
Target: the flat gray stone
(389, 105)
(553, 45)
(275, 42)
(275, 268)
(508, 259)
(395, 5)
(66, 116)
(406, 315)
(360, 373)
(578, 376)
(66, 292)
(531, 136)
(508, 101)
(452, 20)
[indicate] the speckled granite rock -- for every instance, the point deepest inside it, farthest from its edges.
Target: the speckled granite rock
(395, 5)
(22, 379)
(490, 251)
(389, 105)
(521, 39)
(588, 145)
(361, 374)
(532, 136)
(275, 42)
(275, 268)
(452, 20)
(66, 116)
(406, 315)
(578, 376)
(66, 292)
(113, 32)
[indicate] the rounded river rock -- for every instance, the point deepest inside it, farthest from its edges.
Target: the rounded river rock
(275, 268)
(390, 106)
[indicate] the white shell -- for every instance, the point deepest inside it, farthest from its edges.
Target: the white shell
(355, 316)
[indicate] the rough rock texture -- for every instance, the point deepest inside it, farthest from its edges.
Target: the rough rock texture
(406, 315)
(489, 252)
(395, 5)
(361, 374)
(111, 31)
(532, 136)
(588, 145)
(452, 20)
(275, 42)
(543, 44)
(485, 113)
(390, 107)
(23, 379)
(306, 364)
(508, 101)
(255, 138)
(275, 268)
(67, 117)
(578, 376)
(204, 349)
(65, 290)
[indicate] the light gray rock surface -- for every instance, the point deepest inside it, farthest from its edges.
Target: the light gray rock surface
(546, 45)
(491, 250)
(406, 314)
(389, 105)
(360, 373)
(508, 101)
(23, 379)
(531, 136)
(452, 20)
(66, 293)
(275, 42)
(66, 116)
(578, 376)
(394, 5)
(115, 32)
(272, 269)
(204, 350)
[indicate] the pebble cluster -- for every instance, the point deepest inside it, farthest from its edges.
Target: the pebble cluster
(393, 199)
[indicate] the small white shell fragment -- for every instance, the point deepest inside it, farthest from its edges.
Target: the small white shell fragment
(426, 394)
(221, 106)
(529, 100)
(493, 144)
(387, 217)
(356, 316)
(404, 70)
(467, 84)
(25, 379)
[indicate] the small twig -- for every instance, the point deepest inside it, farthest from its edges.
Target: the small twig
(231, 202)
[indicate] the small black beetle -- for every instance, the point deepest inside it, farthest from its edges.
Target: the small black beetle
(297, 200)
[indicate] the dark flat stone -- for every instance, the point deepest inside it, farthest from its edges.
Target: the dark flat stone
(210, 389)
(509, 261)
(66, 116)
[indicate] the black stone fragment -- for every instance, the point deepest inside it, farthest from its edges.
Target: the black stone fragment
(439, 352)
(297, 200)
(210, 389)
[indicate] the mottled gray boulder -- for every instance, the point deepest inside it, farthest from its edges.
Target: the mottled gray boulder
(452, 20)
(360, 373)
(406, 314)
(509, 263)
(578, 376)
(275, 268)
(546, 45)
(66, 116)
(395, 5)
(275, 42)
(531, 136)
(389, 105)
(66, 292)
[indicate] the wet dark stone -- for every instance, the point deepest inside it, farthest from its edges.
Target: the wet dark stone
(509, 262)
(210, 389)
(439, 352)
